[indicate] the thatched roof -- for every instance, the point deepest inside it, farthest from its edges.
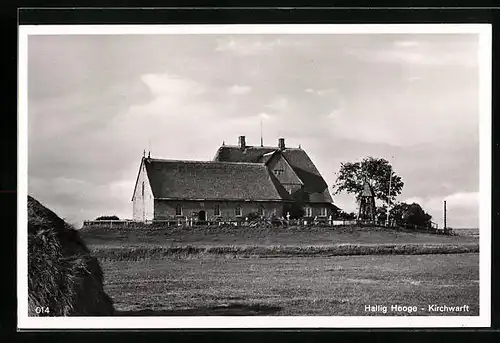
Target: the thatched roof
(314, 185)
(208, 180)
(233, 153)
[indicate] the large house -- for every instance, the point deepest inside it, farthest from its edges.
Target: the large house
(239, 181)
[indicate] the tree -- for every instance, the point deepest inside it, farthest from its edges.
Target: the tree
(376, 171)
(410, 214)
(381, 215)
(415, 215)
(397, 213)
(346, 216)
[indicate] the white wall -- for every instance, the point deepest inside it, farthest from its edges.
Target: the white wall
(143, 207)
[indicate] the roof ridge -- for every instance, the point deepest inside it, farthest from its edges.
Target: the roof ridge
(207, 162)
(248, 146)
(259, 147)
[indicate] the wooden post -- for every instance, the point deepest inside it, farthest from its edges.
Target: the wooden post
(444, 215)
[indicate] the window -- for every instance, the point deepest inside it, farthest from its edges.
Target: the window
(178, 210)
(143, 189)
(217, 210)
(238, 210)
(308, 212)
(323, 212)
(261, 210)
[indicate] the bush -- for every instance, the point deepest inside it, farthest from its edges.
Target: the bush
(346, 216)
(63, 276)
(253, 216)
(107, 218)
(410, 215)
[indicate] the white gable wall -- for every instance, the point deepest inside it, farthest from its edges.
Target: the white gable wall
(143, 206)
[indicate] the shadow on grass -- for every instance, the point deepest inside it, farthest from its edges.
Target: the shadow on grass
(221, 310)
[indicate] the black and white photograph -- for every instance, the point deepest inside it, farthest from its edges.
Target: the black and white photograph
(254, 176)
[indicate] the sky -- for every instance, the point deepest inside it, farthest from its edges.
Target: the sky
(95, 102)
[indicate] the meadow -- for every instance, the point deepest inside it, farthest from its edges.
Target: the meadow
(284, 271)
(261, 236)
(340, 285)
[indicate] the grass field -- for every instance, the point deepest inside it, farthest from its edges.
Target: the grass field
(340, 285)
(215, 236)
(149, 242)
(284, 271)
(151, 251)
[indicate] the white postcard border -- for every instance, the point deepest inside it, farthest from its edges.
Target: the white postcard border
(483, 320)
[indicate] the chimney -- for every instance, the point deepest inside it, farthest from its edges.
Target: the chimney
(241, 142)
(281, 144)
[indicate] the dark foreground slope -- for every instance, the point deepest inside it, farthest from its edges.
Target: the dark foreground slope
(64, 279)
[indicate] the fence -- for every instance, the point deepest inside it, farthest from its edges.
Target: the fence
(429, 229)
(276, 222)
(189, 222)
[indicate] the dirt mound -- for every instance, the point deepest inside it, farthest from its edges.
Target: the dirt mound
(63, 278)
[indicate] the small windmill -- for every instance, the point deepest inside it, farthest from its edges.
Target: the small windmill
(367, 207)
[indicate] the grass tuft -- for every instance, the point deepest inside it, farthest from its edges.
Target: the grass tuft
(135, 253)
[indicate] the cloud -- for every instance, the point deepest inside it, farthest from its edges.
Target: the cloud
(173, 86)
(238, 90)
(265, 116)
(247, 45)
(92, 111)
(79, 200)
(384, 117)
(405, 44)
(279, 104)
(426, 53)
(321, 92)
